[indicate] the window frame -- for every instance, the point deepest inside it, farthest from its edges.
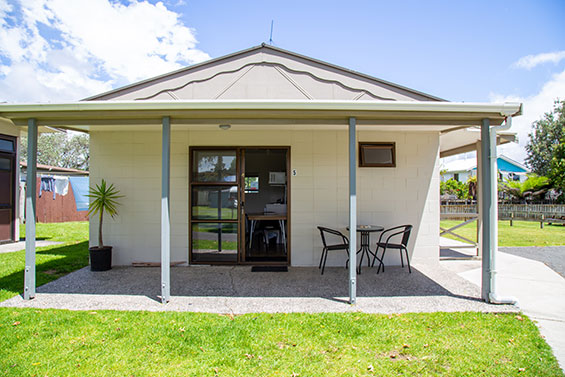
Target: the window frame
(389, 144)
(10, 140)
(251, 175)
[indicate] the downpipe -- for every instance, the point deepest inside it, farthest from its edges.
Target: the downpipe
(493, 297)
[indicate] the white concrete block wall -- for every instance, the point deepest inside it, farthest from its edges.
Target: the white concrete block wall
(406, 194)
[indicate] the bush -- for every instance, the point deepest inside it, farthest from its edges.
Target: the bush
(453, 187)
(533, 188)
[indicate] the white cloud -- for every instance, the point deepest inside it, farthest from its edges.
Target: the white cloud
(531, 61)
(5, 8)
(57, 50)
(534, 108)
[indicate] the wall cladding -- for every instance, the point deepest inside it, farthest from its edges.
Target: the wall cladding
(408, 193)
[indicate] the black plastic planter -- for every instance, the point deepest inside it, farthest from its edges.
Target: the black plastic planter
(100, 258)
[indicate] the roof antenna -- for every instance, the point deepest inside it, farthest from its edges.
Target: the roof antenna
(271, 37)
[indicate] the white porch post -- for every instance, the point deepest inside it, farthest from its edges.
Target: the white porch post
(490, 213)
(165, 212)
(489, 203)
(29, 274)
(352, 212)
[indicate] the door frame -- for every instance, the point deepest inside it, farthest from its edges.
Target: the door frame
(240, 181)
(14, 187)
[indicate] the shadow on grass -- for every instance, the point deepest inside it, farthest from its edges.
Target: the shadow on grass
(51, 264)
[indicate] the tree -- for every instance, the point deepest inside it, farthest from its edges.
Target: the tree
(453, 187)
(105, 198)
(533, 188)
(557, 168)
(61, 150)
(547, 132)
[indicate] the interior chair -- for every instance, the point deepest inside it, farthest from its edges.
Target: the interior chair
(403, 232)
(341, 243)
(268, 232)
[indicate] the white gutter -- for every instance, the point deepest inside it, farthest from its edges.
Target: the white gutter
(494, 298)
(503, 109)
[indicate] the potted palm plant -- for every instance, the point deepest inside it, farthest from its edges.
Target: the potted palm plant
(104, 199)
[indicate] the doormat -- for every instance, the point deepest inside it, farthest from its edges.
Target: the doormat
(269, 269)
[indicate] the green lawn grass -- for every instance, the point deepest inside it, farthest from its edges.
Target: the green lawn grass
(205, 212)
(111, 343)
(70, 232)
(522, 233)
(213, 245)
(52, 262)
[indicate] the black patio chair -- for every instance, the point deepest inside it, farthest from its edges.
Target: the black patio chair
(342, 244)
(398, 231)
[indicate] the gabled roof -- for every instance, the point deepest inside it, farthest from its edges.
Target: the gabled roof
(510, 165)
(505, 164)
(264, 72)
(271, 87)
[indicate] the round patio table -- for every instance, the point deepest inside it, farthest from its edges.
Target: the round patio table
(365, 248)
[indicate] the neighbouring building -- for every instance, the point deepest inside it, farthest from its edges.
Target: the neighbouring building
(462, 170)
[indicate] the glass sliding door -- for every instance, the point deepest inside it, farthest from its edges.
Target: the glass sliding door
(214, 206)
(239, 205)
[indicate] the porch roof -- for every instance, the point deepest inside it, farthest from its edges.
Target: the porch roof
(464, 140)
(392, 115)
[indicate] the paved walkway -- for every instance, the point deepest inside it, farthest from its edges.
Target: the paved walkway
(21, 245)
(551, 256)
(448, 250)
(223, 289)
(539, 290)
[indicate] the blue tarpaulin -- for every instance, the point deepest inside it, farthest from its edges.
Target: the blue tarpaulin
(80, 190)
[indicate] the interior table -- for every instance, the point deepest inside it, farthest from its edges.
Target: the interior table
(365, 248)
(254, 217)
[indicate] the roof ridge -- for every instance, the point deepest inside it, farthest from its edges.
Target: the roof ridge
(257, 48)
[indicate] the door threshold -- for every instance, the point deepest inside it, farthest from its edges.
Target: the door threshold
(269, 269)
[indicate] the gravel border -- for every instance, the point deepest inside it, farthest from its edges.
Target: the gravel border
(237, 290)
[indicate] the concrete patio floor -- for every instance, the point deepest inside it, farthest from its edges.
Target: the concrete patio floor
(237, 290)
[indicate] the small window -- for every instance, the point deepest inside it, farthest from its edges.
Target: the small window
(377, 155)
(252, 184)
(6, 145)
(456, 177)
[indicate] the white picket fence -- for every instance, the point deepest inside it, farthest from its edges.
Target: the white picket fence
(528, 212)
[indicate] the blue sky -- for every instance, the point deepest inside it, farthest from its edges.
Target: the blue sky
(56, 50)
(461, 51)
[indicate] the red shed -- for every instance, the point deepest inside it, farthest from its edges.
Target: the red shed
(52, 207)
